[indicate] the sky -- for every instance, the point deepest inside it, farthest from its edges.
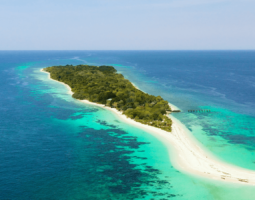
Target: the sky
(127, 25)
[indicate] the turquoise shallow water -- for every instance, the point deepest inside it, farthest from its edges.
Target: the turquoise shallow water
(54, 147)
(219, 81)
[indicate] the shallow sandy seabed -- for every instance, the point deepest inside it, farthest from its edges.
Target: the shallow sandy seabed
(185, 152)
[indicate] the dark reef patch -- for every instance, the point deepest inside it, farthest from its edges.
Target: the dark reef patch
(111, 151)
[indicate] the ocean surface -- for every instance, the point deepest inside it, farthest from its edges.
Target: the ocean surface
(56, 148)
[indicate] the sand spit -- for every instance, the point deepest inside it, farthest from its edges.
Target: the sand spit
(186, 153)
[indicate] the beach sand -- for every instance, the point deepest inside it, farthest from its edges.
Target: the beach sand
(185, 152)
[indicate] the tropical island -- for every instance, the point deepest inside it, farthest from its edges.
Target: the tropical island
(103, 85)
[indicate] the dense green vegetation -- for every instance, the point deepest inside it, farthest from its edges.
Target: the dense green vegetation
(105, 86)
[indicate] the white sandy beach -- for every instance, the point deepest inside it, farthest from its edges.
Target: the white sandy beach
(186, 153)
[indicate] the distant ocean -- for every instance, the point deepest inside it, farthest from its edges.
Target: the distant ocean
(55, 147)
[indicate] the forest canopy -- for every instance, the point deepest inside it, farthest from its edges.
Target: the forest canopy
(105, 86)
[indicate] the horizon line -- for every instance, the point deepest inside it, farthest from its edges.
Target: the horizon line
(133, 50)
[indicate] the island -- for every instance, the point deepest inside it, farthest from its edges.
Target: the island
(104, 85)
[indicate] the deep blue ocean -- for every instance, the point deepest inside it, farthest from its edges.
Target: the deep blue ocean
(54, 147)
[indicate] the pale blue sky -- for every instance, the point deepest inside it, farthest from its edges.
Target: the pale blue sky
(127, 25)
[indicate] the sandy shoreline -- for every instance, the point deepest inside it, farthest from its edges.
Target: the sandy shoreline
(185, 152)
